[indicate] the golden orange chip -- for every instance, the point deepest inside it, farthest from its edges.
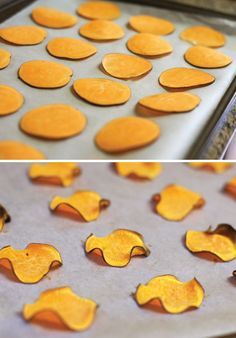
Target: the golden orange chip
(23, 35)
(205, 57)
(10, 100)
(167, 103)
(151, 24)
(126, 133)
(217, 167)
(5, 58)
(149, 45)
(88, 204)
(53, 18)
(102, 92)
(118, 248)
(102, 10)
(203, 35)
(175, 202)
(31, 264)
(70, 48)
(45, 74)
(173, 295)
(61, 306)
(144, 170)
(184, 78)
(220, 242)
(4, 217)
(54, 173)
(14, 150)
(230, 187)
(124, 66)
(102, 30)
(53, 122)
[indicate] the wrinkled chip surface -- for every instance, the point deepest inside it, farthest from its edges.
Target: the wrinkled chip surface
(126, 133)
(175, 202)
(149, 45)
(217, 167)
(102, 30)
(56, 173)
(88, 204)
(151, 24)
(118, 248)
(54, 122)
(74, 312)
(203, 35)
(99, 10)
(102, 92)
(31, 264)
(5, 58)
(220, 242)
(124, 66)
(184, 78)
(53, 18)
(45, 74)
(70, 48)
(230, 187)
(4, 217)
(173, 295)
(10, 100)
(23, 35)
(14, 150)
(145, 170)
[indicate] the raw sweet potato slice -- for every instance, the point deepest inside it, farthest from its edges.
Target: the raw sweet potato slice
(10, 100)
(14, 150)
(5, 58)
(53, 18)
(102, 30)
(23, 35)
(151, 24)
(102, 10)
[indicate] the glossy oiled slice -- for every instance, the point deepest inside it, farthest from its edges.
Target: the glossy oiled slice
(5, 58)
(102, 30)
(14, 150)
(10, 100)
(151, 24)
(203, 35)
(53, 18)
(23, 35)
(99, 10)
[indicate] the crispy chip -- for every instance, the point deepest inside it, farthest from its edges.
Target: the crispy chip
(220, 242)
(10, 100)
(53, 18)
(143, 170)
(102, 30)
(217, 167)
(54, 173)
(31, 264)
(117, 248)
(5, 58)
(63, 305)
(88, 204)
(99, 10)
(151, 24)
(173, 295)
(4, 217)
(175, 202)
(230, 187)
(23, 35)
(14, 150)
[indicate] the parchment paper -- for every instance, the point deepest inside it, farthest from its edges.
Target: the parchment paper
(118, 314)
(179, 132)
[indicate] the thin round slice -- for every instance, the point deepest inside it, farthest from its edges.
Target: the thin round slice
(14, 150)
(149, 45)
(99, 10)
(167, 103)
(151, 24)
(124, 66)
(205, 57)
(126, 133)
(45, 74)
(203, 35)
(102, 92)
(184, 78)
(54, 122)
(10, 100)
(70, 48)
(53, 18)
(5, 58)
(102, 30)
(23, 35)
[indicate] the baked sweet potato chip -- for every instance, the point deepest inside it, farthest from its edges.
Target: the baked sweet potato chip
(64, 306)
(118, 248)
(4, 217)
(175, 202)
(230, 187)
(220, 242)
(217, 167)
(31, 264)
(102, 10)
(102, 30)
(143, 170)
(173, 295)
(88, 204)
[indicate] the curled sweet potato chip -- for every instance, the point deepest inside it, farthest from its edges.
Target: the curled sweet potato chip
(173, 295)
(230, 187)
(5, 58)
(54, 173)
(53, 18)
(4, 217)
(217, 167)
(23, 35)
(64, 306)
(14, 150)
(220, 242)
(31, 264)
(151, 24)
(102, 30)
(102, 10)
(88, 204)
(10, 100)
(176, 202)
(144, 170)
(118, 248)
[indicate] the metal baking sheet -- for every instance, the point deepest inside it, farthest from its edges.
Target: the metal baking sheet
(179, 132)
(118, 314)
